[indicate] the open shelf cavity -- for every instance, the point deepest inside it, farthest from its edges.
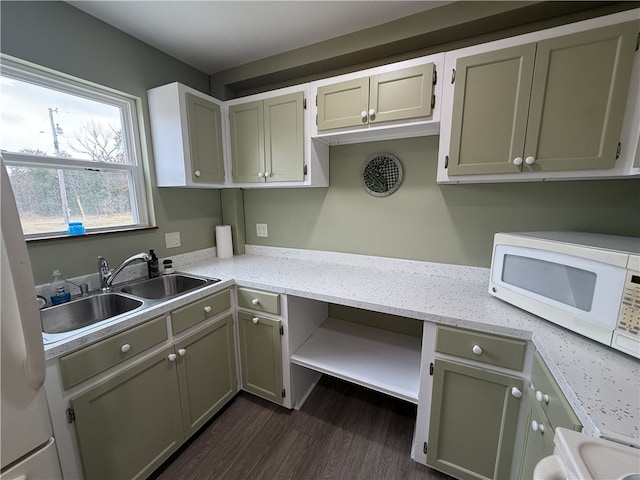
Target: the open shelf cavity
(384, 361)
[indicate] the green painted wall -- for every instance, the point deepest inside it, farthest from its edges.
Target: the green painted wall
(427, 221)
(61, 37)
(423, 220)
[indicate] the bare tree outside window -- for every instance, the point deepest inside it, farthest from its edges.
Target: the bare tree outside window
(102, 143)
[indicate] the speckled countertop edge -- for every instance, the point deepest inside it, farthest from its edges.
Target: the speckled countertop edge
(606, 399)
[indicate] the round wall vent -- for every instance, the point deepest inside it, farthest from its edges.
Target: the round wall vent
(381, 174)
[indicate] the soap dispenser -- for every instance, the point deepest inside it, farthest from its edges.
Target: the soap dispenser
(59, 292)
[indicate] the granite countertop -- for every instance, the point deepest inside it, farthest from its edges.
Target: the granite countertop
(602, 385)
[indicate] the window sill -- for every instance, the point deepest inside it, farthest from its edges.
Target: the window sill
(63, 235)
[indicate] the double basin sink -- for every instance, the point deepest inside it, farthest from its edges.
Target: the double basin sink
(125, 298)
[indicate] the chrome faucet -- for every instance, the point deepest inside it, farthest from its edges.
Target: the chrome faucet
(107, 276)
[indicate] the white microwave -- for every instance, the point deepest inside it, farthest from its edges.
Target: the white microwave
(586, 282)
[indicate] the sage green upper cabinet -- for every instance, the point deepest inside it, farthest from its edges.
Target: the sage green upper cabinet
(267, 140)
(246, 124)
(205, 140)
(344, 104)
(578, 96)
(187, 136)
(268, 145)
(550, 104)
(497, 84)
(402, 94)
(396, 95)
(394, 101)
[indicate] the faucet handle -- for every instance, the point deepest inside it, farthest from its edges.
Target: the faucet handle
(104, 273)
(102, 263)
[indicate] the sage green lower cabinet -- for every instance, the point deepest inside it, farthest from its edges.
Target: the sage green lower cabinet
(127, 426)
(474, 416)
(261, 356)
(206, 372)
(548, 409)
(538, 438)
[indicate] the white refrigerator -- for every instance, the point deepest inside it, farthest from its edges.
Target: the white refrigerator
(28, 450)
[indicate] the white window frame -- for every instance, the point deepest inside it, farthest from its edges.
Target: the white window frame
(129, 107)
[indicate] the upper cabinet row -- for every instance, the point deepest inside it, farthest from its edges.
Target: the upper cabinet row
(201, 142)
(273, 139)
(557, 104)
(557, 108)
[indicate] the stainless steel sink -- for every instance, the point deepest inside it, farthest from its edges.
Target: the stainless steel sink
(165, 286)
(86, 311)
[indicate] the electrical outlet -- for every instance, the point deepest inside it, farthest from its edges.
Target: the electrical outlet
(172, 239)
(261, 230)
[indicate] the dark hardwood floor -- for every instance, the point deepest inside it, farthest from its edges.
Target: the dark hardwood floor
(342, 432)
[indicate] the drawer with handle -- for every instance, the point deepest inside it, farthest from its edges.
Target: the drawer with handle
(196, 312)
(79, 366)
(491, 349)
(259, 300)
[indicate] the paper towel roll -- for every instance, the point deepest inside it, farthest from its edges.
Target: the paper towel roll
(224, 245)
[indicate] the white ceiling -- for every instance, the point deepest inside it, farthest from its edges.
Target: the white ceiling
(213, 36)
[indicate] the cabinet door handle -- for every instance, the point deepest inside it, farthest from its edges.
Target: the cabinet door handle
(254, 320)
(197, 173)
(172, 357)
(537, 427)
(255, 301)
(125, 348)
(267, 174)
(207, 309)
(477, 349)
(515, 392)
(363, 114)
(542, 396)
(260, 174)
(182, 352)
(517, 161)
(530, 160)
(372, 113)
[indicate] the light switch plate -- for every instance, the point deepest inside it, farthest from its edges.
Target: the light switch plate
(261, 230)
(172, 239)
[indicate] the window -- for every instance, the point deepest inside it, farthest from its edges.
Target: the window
(72, 151)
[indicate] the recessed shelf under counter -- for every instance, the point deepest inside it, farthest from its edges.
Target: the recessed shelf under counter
(384, 361)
